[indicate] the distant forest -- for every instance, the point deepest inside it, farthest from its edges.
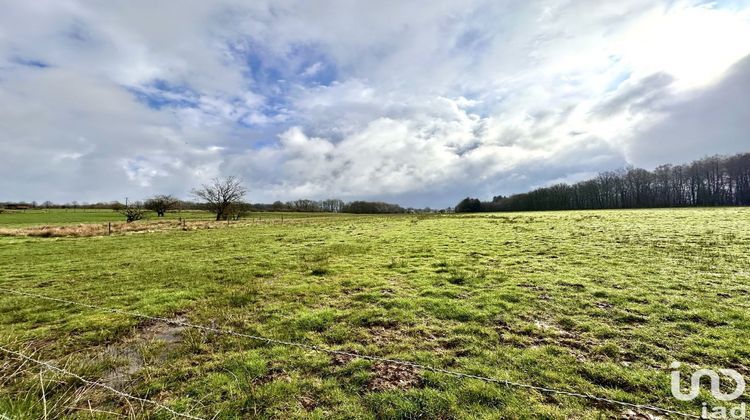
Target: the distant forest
(711, 181)
(330, 206)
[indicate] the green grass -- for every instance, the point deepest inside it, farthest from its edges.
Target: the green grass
(598, 302)
(23, 218)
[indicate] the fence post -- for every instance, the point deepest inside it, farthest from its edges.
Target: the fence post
(109, 228)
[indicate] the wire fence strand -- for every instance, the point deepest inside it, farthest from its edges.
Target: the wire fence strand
(399, 362)
(54, 368)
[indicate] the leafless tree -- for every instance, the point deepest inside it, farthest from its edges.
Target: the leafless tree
(221, 194)
(161, 204)
(332, 205)
(711, 181)
(132, 212)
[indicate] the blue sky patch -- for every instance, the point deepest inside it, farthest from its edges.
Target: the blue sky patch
(617, 81)
(160, 94)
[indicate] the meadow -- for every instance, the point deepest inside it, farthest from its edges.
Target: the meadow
(57, 217)
(596, 302)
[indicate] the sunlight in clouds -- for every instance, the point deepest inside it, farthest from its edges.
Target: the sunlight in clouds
(694, 44)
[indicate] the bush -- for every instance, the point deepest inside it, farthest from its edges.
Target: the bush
(132, 213)
(469, 205)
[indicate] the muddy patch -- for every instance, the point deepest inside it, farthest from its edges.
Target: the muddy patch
(546, 333)
(604, 305)
(274, 374)
(575, 286)
(388, 377)
(532, 287)
(382, 336)
(308, 403)
(149, 344)
(341, 359)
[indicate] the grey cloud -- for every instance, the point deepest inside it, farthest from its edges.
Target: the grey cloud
(715, 120)
(396, 123)
(638, 96)
(67, 137)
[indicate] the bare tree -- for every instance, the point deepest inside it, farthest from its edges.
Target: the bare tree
(161, 204)
(221, 195)
(332, 205)
(132, 212)
(711, 181)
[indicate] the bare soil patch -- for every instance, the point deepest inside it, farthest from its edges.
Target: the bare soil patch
(388, 376)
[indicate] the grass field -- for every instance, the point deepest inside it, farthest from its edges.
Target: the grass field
(21, 218)
(598, 302)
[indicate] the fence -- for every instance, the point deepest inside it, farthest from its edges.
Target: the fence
(316, 348)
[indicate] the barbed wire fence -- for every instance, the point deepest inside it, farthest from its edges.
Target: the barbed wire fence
(117, 392)
(316, 348)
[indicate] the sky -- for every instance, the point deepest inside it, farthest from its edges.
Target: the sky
(420, 103)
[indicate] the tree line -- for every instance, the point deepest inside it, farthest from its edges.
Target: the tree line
(225, 198)
(338, 206)
(711, 181)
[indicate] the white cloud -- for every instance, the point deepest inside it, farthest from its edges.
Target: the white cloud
(313, 69)
(422, 102)
(693, 44)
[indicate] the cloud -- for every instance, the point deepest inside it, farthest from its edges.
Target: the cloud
(713, 120)
(634, 97)
(68, 138)
(420, 102)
